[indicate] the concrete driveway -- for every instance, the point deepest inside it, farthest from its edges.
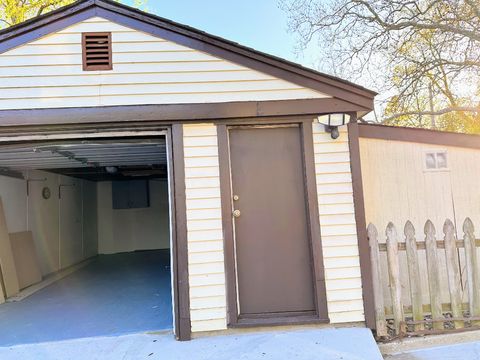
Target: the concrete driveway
(467, 351)
(453, 346)
(307, 344)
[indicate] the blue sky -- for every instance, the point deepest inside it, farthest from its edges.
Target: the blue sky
(255, 23)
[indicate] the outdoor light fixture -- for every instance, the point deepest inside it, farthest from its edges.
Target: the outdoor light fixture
(332, 122)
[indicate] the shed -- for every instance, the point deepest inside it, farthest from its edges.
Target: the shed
(424, 183)
(125, 133)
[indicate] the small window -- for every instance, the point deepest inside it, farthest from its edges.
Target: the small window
(436, 160)
(97, 51)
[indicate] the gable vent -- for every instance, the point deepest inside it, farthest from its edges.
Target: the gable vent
(97, 51)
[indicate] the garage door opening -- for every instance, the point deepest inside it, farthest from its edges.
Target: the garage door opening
(90, 232)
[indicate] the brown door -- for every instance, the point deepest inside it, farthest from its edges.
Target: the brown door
(273, 257)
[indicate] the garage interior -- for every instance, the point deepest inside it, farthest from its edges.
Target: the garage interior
(98, 213)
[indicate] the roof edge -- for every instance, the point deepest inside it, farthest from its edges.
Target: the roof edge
(219, 41)
(41, 20)
(418, 135)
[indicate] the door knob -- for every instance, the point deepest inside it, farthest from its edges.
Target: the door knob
(236, 197)
(236, 213)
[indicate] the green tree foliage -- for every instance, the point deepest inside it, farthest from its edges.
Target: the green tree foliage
(16, 11)
(422, 56)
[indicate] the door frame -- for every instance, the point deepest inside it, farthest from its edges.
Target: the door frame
(173, 133)
(313, 224)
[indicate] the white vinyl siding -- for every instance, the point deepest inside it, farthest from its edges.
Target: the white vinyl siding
(338, 227)
(205, 238)
(204, 225)
(47, 73)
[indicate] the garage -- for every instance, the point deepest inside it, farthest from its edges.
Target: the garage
(140, 153)
(96, 217)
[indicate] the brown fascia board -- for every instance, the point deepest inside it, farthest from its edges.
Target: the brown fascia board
(175, 112)
(189, 37)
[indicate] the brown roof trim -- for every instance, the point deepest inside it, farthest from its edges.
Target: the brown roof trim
(189, 37)
(174, 112)
(425, 136)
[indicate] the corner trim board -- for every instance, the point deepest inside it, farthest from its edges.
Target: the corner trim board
(361, 226)
(313, 218)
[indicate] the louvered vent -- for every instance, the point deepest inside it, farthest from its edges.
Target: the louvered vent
(97, 51)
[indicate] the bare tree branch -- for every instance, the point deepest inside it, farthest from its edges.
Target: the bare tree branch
(400, 48)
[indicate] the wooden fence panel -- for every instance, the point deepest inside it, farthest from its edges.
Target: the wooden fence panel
(377, 281)
(414, 274)
(471, 262)
(431, 264)
(453, 272)
(433, 274)
(394, 276)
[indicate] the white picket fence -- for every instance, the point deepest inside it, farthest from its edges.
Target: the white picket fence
(427, 286)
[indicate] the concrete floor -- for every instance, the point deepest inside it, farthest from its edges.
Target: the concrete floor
(310, 344)
(114, 295)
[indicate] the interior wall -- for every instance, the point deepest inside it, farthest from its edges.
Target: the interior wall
(124, 230)
(90, 226)
(43, 219)
(14, 196)
(67, 226)
(64, 229)
(70, 218)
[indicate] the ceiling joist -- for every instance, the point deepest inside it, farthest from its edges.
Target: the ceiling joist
(90, 159)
